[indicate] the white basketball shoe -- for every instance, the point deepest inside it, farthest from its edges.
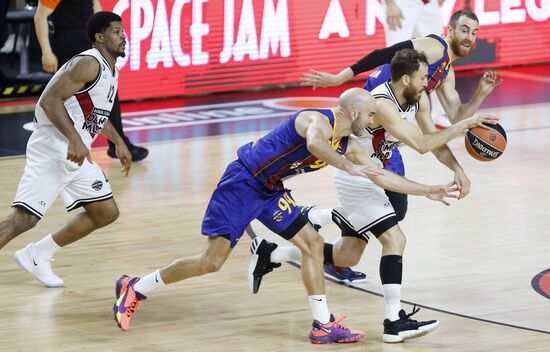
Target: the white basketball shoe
(38, 267)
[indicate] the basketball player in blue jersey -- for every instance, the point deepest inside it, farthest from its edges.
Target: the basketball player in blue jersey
(364, 208)
(440, 53)
(69, 115)
(252, 188)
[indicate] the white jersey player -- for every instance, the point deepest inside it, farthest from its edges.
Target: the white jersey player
(88, 111)
(365, 207)
(406, 19)
(69, 115)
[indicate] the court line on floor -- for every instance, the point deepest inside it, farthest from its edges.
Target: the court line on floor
(494, 322)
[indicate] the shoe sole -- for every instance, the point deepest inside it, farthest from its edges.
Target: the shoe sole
(330, 340)
(253, 286)
(345, 281)
(118, 288)
(20, 262)
(413, 334)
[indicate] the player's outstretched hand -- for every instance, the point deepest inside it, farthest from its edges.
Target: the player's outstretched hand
(125, 157)
(440, 193)
(317, 79)
(479, 120)
(488, 82)
(463, 183)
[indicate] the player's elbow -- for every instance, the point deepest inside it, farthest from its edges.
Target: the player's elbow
(423, 149)
(313, 146)
(420, 147)
(45, 103)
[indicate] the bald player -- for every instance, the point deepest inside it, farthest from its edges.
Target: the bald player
(252, 188)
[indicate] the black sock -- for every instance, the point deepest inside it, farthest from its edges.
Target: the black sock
(391, 269)
(327, 251)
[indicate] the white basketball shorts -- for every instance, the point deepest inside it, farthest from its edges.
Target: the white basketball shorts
(48, 173)
(364, 204)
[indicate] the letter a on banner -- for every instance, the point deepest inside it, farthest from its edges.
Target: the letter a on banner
(334, 22)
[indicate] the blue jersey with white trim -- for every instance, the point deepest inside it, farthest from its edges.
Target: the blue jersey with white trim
(437, 71)
(283, 153)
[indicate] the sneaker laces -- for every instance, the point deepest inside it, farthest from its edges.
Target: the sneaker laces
(414, 311)
(337, 321)
(132, 308)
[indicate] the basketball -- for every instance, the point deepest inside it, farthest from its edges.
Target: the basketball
(486, 144)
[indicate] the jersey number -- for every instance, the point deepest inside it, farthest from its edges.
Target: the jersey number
(286, 203)
(111, 94)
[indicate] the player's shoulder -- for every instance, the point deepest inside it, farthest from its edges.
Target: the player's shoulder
(431, 47)
(315, 114)
(386, 106)
(83, 63)
(83, 67)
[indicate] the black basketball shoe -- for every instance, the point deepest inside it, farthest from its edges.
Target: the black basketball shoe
(405, 328)
(260, 262)
(138, 153)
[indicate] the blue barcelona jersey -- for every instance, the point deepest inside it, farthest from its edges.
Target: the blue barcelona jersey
(283, 153)
(437, 71)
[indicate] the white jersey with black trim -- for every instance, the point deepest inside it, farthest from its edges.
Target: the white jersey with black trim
(377, 142)
(90, 107)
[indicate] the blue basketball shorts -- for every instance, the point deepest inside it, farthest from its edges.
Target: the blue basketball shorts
(239, 198)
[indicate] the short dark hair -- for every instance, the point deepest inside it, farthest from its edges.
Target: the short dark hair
(464, 12)
(406, 62)
(99, 22)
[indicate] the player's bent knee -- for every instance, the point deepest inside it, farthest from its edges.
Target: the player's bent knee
(210, 264)
(314, 245)
(21, 220)
(103, 214)
(393, 240)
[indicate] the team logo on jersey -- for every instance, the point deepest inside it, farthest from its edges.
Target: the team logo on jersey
(384, 149)
(97, 185)
(94, 122)
(278, 216)
(541, 283)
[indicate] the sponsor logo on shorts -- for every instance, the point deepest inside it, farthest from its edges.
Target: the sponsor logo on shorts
(97, 185)
(278, 216)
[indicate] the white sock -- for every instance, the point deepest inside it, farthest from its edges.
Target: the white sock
(46, 247)
(320, 216)
(319, 308)
(283, 254)
(392, 296)
(149, 283)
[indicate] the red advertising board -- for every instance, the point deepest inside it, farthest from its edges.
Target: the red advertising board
(187, 47)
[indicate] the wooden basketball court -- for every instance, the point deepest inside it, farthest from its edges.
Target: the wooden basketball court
(469, 265)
